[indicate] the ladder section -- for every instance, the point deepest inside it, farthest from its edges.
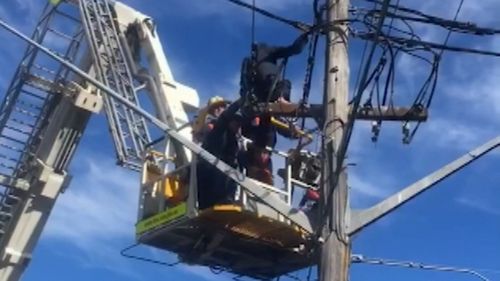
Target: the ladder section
(27, 105)
(129, 130)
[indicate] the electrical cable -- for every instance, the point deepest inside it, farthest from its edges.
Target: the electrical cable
(427, 45)
(440, 55)
(296, 24)
(436, 71)
(415, 265)
(311, 59)
(362, 61)
(456, 26)
(253, 23)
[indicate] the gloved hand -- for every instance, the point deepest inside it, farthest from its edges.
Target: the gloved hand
(301, 41)
(244, 143)
(299, 44)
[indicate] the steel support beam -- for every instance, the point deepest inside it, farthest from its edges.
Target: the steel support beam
(362, 218)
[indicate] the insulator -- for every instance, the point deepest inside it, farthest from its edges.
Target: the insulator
(375, 130)
(406, 133)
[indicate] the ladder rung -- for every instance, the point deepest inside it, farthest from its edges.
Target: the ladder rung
(7, 166)
(10, 196)
(13, 148)
(12, 139)
(27, 104)
(25, 112)
(5, 214)
(17, 130)
(60, 34)
(6, 187)
(32, 95)
(7, 208)
(8, 158)
(59, 55)
(15, 120)
(44, 69)
(12, 204)
(67, 16)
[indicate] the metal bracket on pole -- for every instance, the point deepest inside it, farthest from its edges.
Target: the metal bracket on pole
(362, 218)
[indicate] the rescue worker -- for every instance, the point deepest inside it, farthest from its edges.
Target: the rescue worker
(207, 117)
(267, 83)
(215, 187)
(267, 87)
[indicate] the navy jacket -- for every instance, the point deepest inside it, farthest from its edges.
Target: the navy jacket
(267, 63)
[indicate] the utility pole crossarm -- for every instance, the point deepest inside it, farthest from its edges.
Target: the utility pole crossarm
(362, 218)
(377, 113)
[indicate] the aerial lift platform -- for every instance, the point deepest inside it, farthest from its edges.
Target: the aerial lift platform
(246, 237)
(120, 55)
(250, 237)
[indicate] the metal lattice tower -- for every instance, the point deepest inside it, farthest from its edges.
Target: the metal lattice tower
(27, 104)
(128, 129)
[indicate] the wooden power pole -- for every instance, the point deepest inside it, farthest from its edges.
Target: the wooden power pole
(336, 249)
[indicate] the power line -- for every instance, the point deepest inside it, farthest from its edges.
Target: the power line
(454, 25)
(294, 23)
(416, 265)
(424, 45)
(435, 70)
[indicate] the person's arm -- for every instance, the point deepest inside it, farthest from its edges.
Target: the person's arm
(226, 115)
(288, 51)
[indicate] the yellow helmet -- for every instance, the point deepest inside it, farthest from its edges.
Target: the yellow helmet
(216, 101)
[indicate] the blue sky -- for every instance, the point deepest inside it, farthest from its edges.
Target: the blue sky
(457, 223)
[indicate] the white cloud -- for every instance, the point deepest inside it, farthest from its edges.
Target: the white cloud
(104, 200)
(479, 205)
(365, 191)
(361, 187)
(97, 214)
(29, 8)
(228, 89)
(478, 93)
(453, 134)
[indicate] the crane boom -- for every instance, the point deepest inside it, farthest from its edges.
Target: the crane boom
(46, 110)
(35, 151)
(129, 130)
